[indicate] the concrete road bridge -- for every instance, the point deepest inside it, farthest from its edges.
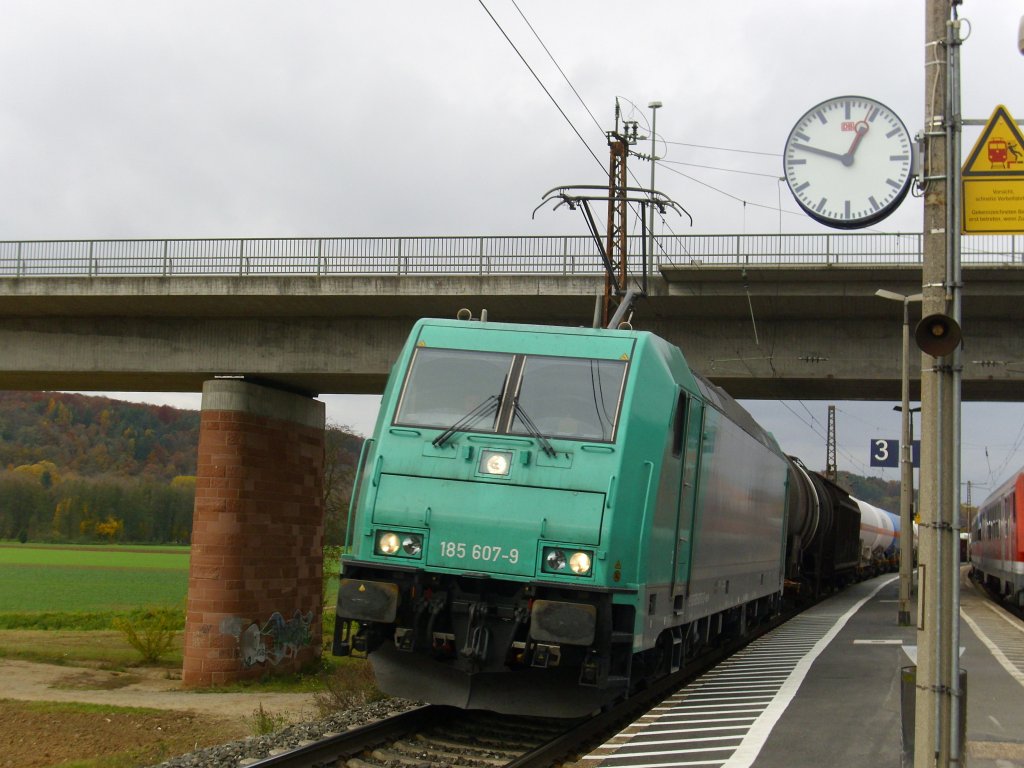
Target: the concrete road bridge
(764, 316)
(791, 316)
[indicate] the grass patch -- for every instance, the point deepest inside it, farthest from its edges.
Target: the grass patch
(71, 589)
(53, 621)
(105, 649)
(65, 707)
(146, 558)
(310, 680)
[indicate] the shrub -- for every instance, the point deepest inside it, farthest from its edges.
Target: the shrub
(351, 685)
(263, 722)
(152, 633)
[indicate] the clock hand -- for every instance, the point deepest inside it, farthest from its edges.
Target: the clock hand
(861, 129)
(815, 150)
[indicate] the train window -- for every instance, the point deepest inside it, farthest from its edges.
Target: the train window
(679, 425)
(570, 397)
(446, 386)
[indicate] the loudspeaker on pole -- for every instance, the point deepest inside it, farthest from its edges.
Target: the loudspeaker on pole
(937, 335)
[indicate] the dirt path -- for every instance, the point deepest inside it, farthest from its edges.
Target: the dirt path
(27, 681)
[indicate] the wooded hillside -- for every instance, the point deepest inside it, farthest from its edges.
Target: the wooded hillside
(83, 468)
(93, 436)
(884, 494)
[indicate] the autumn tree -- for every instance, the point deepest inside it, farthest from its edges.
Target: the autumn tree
(341, 452)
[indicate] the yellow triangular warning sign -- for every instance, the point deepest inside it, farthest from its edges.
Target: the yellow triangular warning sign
(999, 151)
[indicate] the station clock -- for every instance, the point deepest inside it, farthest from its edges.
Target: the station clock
(848, 162)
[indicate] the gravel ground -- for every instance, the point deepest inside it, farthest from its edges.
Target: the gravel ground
(232, 754)
(164, 719)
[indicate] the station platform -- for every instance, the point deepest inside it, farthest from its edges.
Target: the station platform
(823, 690)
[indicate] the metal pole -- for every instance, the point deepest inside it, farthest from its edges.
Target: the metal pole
(906, 479)
(654, 106)
(953, 128)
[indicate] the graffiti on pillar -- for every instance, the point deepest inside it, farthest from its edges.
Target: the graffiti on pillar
(286, 637)
(275, 641)
(251, 647)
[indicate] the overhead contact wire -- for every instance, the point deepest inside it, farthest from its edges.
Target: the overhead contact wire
(541, 84)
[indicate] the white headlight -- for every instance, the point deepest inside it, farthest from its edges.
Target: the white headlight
(579, 563)
(555, 560)
(495, 462)
(412, 545)
(388, 543)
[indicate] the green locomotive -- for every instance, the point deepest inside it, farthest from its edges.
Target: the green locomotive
(547, 516)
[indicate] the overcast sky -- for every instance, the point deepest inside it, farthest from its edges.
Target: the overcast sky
(251, 118)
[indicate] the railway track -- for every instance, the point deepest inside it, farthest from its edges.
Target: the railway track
(423, 737)
(438, 736)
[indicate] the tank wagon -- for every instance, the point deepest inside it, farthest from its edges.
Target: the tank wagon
(879, 538)
(997, 541)
(547, 517)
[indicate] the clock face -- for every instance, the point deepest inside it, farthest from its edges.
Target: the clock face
(848, 162)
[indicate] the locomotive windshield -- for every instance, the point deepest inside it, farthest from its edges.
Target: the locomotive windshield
(570, 397)
(444, 385)
(566, 397)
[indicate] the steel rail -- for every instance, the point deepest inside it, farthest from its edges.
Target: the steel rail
(328, 750)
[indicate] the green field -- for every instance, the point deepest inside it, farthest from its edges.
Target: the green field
(44, 579)
(58, 603)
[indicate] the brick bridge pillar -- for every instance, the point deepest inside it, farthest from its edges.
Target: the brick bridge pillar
(255, 577)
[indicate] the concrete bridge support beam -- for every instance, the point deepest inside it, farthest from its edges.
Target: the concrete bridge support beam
(256, 572)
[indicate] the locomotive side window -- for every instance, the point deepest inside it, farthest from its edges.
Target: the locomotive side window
(445, 386)
(569, 397)
(679, 424)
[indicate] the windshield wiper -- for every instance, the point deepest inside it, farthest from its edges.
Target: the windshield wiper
(488, 406)
(531, 429)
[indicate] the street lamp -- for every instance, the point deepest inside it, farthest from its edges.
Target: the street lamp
(653, 106)
(908, 456)
(906, 463)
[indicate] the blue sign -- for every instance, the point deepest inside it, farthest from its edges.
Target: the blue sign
(886, 453)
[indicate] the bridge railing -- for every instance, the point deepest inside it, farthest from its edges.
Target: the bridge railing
(513, 255)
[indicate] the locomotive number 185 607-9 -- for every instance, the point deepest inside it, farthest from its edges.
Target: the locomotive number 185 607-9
(478, 552)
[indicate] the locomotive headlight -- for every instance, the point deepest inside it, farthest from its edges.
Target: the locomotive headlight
(412, 545)
(401, 544)
(575, 563)
(579, 563)
(388, 543)
(495, 462)
(554, 559)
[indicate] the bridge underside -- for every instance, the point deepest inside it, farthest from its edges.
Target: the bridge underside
(808, 333)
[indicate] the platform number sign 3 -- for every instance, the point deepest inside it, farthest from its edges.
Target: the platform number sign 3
(886, 453)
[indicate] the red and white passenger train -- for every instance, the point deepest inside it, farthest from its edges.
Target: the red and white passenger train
(997, 541)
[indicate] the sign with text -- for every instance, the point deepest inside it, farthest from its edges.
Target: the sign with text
(992, 179)
(886, 453)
